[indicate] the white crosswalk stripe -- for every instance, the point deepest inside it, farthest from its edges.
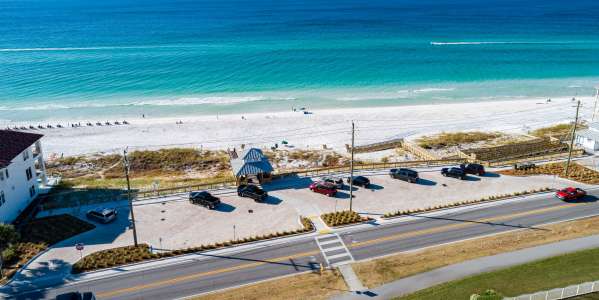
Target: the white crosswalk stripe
(335, 245)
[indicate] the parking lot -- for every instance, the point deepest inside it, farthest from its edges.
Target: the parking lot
(387, 194)
(172, 222)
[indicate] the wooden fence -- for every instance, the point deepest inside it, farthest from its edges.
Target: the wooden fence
(419, 151)
(390, 144)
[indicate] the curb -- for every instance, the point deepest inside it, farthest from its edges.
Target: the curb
(469, 204)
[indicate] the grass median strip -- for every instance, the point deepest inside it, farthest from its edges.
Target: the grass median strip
(384, 270)
(554, 272)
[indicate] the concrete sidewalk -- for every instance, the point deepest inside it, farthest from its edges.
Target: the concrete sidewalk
(472, 267)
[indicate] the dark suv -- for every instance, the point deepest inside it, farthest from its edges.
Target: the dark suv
(359, 181)
(453, 172)
(76, 296)
(475, 169)
(408, 175)
(204, 198)
(252, 191)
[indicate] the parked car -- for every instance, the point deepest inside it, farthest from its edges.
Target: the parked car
(252, 191)
(325, 188)
(476, 169)
(524, 166)
(76, 296)
(359, 181)
(404, 174)
(453, 172)
(570, 194)
(338, 182)
(204, 198)
(102, 215)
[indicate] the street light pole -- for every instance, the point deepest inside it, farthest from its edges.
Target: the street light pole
(127, 166)
(351, 168)
(572, 139)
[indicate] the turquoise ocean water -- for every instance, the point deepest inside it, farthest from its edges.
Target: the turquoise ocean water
(88, 60)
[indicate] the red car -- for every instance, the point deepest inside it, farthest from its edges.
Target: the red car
(325, 188)
(570, 193)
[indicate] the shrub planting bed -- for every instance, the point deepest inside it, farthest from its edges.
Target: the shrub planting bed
(53, 229)
(343, 218)
(460, 203)
(577, 172)
(36, 236)
(130, 254)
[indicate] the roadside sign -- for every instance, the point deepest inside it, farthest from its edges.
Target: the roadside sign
(79, 246)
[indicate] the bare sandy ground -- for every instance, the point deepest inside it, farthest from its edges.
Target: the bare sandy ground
(330, 127)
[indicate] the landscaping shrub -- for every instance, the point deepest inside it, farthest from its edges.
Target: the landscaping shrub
(342, 218)
(577, 172)
(131, 254)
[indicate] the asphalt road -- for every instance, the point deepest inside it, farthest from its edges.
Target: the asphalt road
(302, 255)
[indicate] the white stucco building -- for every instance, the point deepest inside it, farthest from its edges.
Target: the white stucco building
(22, 172)
(589, 138)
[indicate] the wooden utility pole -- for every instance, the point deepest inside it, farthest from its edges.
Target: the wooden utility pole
(351, 168)
(572, 139)
(127, 167)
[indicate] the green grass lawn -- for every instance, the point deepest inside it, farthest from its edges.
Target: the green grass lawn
(559, 271)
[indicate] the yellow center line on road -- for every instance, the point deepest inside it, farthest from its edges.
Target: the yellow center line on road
(454, 226)
(198, 275)
(179, 279)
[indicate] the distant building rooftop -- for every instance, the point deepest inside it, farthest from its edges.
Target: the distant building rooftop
(12, 143)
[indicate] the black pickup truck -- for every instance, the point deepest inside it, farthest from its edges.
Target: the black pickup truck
(204, 198)
(404, 174)
(252, 191)
(453, 172)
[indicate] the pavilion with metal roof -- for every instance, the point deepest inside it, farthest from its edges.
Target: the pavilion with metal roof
(250, 164)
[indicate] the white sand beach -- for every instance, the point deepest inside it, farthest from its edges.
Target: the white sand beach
(312, 130)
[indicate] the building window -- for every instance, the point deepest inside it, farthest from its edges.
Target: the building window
(6, 171)
(26, 155)
(28, 173)
(1, 176)
(32, 191)
(2, 198)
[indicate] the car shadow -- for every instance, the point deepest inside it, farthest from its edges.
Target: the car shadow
(346, 188)
(272, 200)
(427, 182)
(290, 182)
(471, 178)
(585, 199)
(491, 175)
(225, 207)
(341, 195)
(375, 187)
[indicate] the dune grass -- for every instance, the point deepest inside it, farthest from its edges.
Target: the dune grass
(558, 130)
(554, 272)
(449, 139)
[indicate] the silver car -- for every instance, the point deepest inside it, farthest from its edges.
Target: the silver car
(338, 182)
(102, 215)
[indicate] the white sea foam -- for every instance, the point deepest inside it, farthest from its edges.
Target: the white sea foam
(431, 90)
(497, 43)
(80, 48)
(218, 100)
(186, 101)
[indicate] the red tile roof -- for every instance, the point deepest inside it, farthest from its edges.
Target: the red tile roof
(12, 143)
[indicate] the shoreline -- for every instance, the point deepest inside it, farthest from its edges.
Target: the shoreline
(320, 127)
